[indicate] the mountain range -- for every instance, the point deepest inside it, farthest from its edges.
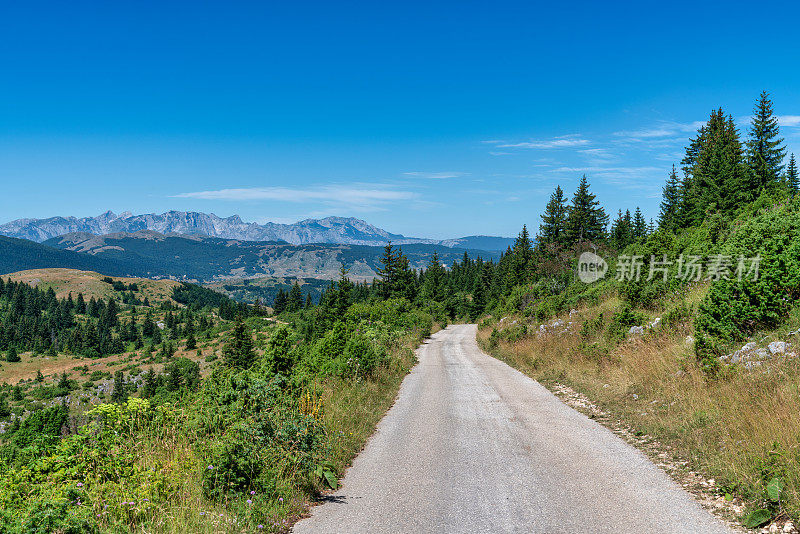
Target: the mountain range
(337, 230)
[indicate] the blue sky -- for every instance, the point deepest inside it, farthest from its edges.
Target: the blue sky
(426, 118)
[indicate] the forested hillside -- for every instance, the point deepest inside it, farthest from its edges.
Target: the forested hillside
(194, 258)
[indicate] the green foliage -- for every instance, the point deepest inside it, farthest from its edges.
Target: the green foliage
(238, 352)
(622, 320)
(12, 356)
(280, 356)
(757, 518)
(734, 309)
(325, 473)
(765, 150)
(554, 220)
(592, 327)
(586, 220)
(676, 315)
(645, 293)
(42, 427)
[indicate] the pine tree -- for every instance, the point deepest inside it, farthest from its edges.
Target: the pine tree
(63, 382)
(150, 384)
(639, 224)
(12, 356)
(554, 220)
(191, 342)
(668, 216)
(239, 350)
(120, 394)
(586, 220)
(433, 278)
(716, 176)
(388, 272)
(279, 305)
(80, 304)
(521, 259)
(792, 176)
(480, 292)
(765, 150)
(39, 376)
(295, 301)
(279, 352)
(621, 233)
(397, 279)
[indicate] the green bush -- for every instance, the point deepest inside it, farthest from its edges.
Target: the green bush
(621, 322)
(735, 309)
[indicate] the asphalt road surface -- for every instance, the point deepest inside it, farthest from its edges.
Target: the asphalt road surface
(472, 445)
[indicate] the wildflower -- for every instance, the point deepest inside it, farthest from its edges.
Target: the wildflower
(249, 501)
(210, 467)
(280, 499)
(202, 513)
(79, 484)
(252, 492)
(260, 526)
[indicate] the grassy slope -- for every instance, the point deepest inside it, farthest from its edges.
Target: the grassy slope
(739, 429)
(90, 283)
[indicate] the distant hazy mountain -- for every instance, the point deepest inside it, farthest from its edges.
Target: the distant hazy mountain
(205, 259)
(329, 230)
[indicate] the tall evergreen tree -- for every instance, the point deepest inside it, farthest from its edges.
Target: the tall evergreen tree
(792, 176)
(586, 220)
(295, 298)
(716, 176)
(621, 233)
(668, 216)
(433, 279)
(521, 262)
(120, 393)
(639, 224)
(238, 352)
(279, 305)
(554, 220)
(388, 271)
(765, 150)
(397, 279)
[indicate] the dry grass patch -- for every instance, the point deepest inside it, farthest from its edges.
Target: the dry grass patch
(90, 283)
(742, 428)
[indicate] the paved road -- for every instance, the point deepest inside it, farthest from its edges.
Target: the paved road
(472, 445)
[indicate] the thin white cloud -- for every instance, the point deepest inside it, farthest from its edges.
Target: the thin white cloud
(436, 175)
(578, 169)
(562, 141)
(790, 121)
(351, 196)
(660, 129)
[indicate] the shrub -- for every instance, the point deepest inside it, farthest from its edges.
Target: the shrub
(622, 320)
